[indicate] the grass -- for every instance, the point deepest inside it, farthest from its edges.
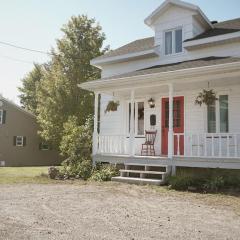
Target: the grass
(12, 175)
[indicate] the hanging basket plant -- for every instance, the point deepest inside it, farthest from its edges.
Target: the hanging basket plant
(112, 106)
(206, 97)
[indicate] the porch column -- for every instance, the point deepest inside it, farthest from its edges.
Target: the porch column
(132, 137)
(95, 131)
(170, 131)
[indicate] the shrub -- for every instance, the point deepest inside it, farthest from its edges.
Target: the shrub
(75, 167)
(104, 172)
(214, 184)
(53, 172)
(180, 182)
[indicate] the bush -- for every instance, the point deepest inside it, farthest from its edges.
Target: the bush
(53, 172)
(75, 167)
(104, 173)
(181, 182)
(214, 184)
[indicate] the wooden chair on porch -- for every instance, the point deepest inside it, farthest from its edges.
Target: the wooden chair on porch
(148, 147)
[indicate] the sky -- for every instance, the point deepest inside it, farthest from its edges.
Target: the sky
(36, 24)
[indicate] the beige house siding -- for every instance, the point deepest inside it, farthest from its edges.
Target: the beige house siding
(21, 123)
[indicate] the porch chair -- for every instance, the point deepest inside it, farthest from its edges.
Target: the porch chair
(148, 147)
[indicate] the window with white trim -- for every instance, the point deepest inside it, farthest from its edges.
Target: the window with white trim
(19, 141)
(173, 41)
(217, 115)
(1, 116)
(139, 121)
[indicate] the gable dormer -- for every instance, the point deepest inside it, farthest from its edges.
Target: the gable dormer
(175, 21)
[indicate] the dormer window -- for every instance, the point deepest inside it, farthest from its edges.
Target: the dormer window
(173, 41)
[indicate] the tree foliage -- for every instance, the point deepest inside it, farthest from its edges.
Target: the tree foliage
(29, 88)
(54, 95)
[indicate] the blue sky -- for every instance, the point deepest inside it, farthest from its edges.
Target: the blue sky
(36, 24)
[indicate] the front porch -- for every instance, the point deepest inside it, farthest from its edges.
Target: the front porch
(187, 135)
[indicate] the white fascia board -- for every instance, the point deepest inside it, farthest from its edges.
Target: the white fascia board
(161, 77)
(124, 57)
(223, 37)
(150, 19)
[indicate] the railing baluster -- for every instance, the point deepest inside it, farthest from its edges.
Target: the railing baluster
(205, 145)
(228, 146)
(220, 145)
(235, 145)
(198, 145)
(191, 145)
(178, 144)
(212, 145)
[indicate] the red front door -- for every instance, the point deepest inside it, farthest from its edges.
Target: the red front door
(178, 124)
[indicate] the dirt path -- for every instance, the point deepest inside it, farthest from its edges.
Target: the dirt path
(114, 211)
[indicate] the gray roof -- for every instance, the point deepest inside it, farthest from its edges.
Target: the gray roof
(220, 28)
(209, 61)
(148, 43)
(132, 47)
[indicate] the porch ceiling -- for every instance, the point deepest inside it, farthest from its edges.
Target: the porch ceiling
(187, 78)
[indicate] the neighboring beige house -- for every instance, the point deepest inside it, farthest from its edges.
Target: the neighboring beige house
(160, 77)
(20, 144)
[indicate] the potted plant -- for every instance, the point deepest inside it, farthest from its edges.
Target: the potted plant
(207, 97)
(112, 106)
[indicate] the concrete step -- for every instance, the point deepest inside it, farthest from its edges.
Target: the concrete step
(141, 181)
(142, 171)
(142, 164)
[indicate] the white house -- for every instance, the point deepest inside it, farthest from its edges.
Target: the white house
(187, 54)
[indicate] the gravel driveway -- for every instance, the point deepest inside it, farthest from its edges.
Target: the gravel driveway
(114, 211)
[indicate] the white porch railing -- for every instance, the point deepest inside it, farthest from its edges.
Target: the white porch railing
(208, 145)
(112, 144)
(220, 145)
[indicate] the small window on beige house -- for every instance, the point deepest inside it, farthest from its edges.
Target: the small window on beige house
(19, 141)
(2, 116)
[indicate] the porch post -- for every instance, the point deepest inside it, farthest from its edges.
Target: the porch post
(132, 137)
(95, 131)
(170, 131)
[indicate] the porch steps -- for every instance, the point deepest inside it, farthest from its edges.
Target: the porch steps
(143, 174)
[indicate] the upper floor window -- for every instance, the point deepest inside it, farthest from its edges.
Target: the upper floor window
(173, 41)
(2, 116)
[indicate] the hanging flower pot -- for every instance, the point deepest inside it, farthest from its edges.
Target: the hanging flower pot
(112, 106)
(207, 97)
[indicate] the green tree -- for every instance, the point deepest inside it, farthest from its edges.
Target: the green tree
(58, 95)
(29, 88)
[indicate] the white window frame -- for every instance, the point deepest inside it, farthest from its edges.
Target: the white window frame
(1, 116)
(22, 141)
(136, 119)
(173, 41)
(217, 114)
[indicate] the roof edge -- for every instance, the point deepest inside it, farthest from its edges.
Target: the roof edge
(149, 20)
(17, 106)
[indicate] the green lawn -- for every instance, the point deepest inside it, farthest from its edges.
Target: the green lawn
(24, 175)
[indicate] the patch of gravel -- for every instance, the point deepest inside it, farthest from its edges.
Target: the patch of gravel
(111, 211)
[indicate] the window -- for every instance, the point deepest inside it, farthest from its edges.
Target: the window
(223, 105)
(44, 147)
(19, 141)
(173, 41)
(2, 116)
(176, 114)
(139, 121)
(217, 116)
